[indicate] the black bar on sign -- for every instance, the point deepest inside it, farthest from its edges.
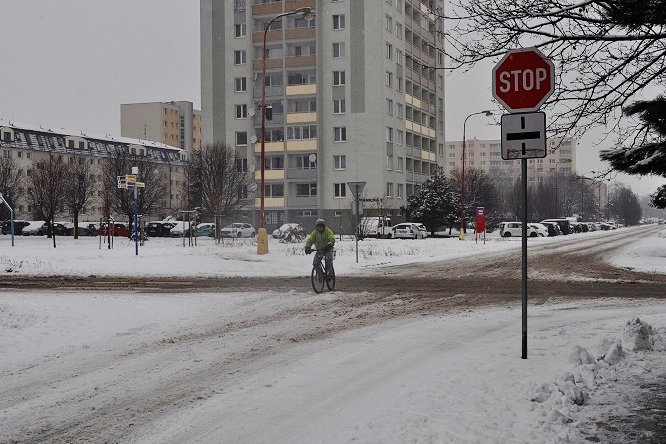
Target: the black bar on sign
(524, 136)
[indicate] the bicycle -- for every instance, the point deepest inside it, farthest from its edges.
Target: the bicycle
(320, 274)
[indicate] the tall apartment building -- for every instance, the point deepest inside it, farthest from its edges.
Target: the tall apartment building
(486, 155)
(172, 123)
(355, 92)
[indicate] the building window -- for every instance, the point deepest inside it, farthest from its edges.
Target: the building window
(241, 138)
(389, 106)
(274, 190)
(240, 84)
(399, 84)
(398, 30)
(400, 110)
(389, 134)
(274, 163)
(389, 23)
(338, 50)
(339, 21)
(339, 162)
(401, 190)
(338, 78)
(306, 189)
(307, 162)
(389, 51)
(302, 132)
(241, 111)
(240, 57)
(400, 165)
(338, 106)
(239, 30)
(399, 137)
(389, 79)
(389, 162)
(339, 190)
(340, 134)
(389, 189)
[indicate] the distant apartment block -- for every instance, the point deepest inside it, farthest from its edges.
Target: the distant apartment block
(172, 123)
(29, 147)
(486, 155)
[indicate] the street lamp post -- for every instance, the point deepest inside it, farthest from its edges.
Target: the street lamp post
(461, 236)
(262, 236)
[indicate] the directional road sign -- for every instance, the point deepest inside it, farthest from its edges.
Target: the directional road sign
(523, 136)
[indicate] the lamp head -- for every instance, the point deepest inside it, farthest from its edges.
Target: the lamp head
(306, 12)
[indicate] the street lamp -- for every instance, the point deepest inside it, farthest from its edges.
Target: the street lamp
(262, 236)
(557, 208)
(461, 236)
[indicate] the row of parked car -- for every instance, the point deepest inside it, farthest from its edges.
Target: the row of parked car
(552, 227)
(40, 228)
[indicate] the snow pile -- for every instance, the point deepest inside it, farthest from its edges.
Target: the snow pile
(561, 402)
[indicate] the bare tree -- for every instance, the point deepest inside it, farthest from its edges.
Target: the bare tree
(217, 181)
(480, 191)
(10, 184)
(48, 189)
(80, 187)
(606, 52)
(122, 200)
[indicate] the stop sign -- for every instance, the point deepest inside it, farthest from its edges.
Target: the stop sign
(523, 80)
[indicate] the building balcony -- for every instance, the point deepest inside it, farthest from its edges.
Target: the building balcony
(269, 147)
(304, 202)
(300, 33)
(301, 117)
(301, 173)
(270, 202)
(298, 61)
(302, 90)
(302, 145)
(269, 174)
(257, 64)
(267, 8)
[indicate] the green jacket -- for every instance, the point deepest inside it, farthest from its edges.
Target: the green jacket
(320, 240)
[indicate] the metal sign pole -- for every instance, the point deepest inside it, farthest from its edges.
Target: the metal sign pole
(524, 261)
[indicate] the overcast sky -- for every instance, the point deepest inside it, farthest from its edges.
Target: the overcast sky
(71, 63)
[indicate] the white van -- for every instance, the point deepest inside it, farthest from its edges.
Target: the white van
(375, 227)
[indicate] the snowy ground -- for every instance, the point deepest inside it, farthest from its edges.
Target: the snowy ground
(434, 379)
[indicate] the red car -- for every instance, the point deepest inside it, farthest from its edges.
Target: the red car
(118, 229)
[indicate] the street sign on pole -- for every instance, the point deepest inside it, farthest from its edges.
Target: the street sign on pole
(523, 80)
(523, 136)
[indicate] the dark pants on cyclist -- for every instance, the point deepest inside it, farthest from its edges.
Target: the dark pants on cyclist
(328, 260)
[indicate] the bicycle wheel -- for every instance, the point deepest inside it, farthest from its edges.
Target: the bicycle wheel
(317, 279)
(330, 279)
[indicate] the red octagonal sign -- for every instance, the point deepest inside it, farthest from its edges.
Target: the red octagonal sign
(523, 80)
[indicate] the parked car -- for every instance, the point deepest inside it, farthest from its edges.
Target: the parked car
(180, 229)
(87, 229)
(509, 229)
(158, 228)
(63, 228)
(18, 226)
(422, 228)
(117, 229)
(284, 229)
(541, 229)
(407, 230)
(36, 228)
(565, 224)
(238, 229)
(553, 228)
(205, 229)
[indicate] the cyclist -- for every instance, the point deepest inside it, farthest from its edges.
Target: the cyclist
(323, 239)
